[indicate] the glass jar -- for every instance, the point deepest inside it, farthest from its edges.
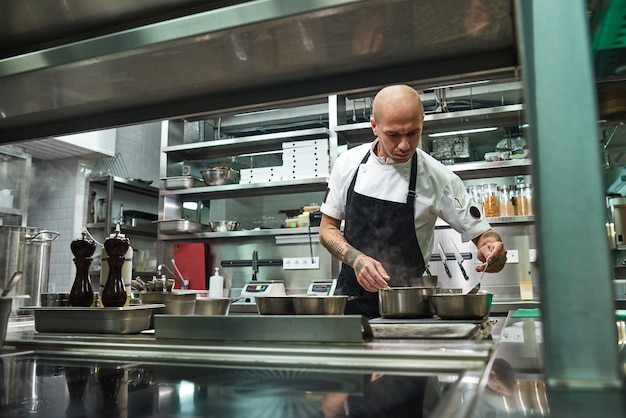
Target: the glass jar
(476, 196)
(524, 200)
(490, 200)
(506, 196)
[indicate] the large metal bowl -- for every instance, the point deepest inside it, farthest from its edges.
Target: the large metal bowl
(405, 302)
(319, 305)
(462, 306)
(224, 226)
(175, 303)
(275, 305)
(217, 176)
(212, 306)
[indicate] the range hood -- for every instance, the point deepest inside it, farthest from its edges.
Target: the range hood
(173, 59)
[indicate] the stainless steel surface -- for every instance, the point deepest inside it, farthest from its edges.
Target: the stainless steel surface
(218, 176)
(176, 226)
(275, 328)
(212, 306)
(473, 306)
(405, 302)
(124, 320)
(275, 305)
(319, 305)
(105, 78)
(573, 360)
(224, 226)
(180, 182)
(419, 330)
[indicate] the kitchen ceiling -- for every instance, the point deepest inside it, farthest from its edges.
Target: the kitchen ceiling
(164, 65)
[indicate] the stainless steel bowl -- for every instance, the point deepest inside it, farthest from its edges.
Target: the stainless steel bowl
(319, 305)
(212, 306)
(405, 302)
(462, 306)
(175, 303)
(217, 176)
(275, 305)
(224, 226)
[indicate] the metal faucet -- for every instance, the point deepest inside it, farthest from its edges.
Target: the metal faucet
(184, 284)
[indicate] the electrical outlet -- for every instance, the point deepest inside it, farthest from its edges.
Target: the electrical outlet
(512, 256)
(532, 255)
(301, 263)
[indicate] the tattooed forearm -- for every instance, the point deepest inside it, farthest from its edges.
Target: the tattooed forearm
(336, 244)
(485, 238)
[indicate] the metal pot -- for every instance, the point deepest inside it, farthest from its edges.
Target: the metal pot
(319, 305)
(26, 249)
(405, 302)
(220, 175)
(460, 306)
(212, 306)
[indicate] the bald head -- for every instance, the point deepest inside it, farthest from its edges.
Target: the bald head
(394, 98)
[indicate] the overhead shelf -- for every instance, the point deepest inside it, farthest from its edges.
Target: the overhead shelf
(247, 190)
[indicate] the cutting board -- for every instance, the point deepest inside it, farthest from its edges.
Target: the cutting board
(191, 260)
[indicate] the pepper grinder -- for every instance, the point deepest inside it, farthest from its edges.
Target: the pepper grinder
(82, 292)
(114, 292)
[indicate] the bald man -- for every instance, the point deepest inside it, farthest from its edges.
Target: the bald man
(390, 194)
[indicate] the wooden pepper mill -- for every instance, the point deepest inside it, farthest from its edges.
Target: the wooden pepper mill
(82, 292)
(114, 293)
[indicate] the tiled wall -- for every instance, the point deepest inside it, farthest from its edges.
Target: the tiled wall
(57, 194)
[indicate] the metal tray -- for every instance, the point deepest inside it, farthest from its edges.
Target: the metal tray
(180, 182)
(124, 320)
(175, 226)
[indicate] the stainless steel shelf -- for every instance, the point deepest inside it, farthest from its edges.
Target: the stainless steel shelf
(483, 169)
(232, 146)
(126, 184)
(497, 220)
(240, 234)
(253, 189)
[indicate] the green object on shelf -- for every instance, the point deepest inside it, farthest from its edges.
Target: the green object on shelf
(620, 314)
(609, 32)
(527, 313)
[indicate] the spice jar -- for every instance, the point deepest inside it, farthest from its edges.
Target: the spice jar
(490, 199)
(523, 199)
(506, 195)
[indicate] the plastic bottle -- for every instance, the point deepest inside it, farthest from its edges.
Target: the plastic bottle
(216, 285)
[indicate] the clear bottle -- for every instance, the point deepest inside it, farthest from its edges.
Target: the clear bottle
(524, 199)
(506, 196)
(490, 200)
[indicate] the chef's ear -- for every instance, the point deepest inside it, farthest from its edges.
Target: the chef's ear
(373, 123)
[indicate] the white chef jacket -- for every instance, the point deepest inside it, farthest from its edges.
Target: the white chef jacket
(439, 192)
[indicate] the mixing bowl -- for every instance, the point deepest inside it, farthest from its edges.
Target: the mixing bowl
(319, 305)
(217, 176)
(223, 226)
(212, 306)
(462, 306)
(275, 305)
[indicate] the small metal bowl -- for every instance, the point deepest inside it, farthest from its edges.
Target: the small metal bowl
(461, 306)
(319, 305)
(224, 226)
(212, 306)
(275, 305)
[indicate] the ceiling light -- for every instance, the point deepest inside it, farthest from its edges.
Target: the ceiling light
(462, 131)
(190, 205)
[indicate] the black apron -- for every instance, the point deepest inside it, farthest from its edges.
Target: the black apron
(385, 231)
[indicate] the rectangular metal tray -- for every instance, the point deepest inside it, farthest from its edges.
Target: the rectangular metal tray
(175, 226)
(124, 320)
(181, 182)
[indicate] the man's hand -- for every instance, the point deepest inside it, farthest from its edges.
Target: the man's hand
(491, 252)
